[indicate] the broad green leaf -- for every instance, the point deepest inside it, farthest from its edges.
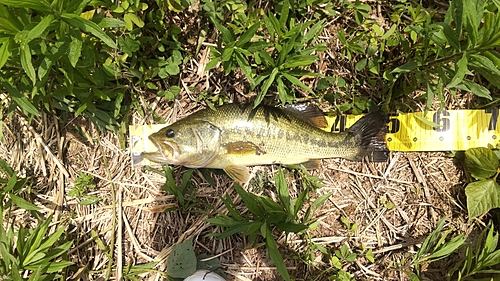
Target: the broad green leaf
(213, 63)
(285, 97)
(267, 58)
(461, 69)
(228, 52)
(450, 36)
(52, 266)
(429, 97)
(319, 201)
(447, 248)
(491, 259)
(249, 33)
(36, 31)
(297, 82)
(477, 89)
(482, 196)
(227, 36)
(250, 202)
(430, 240)
(360, 65)
(298, 60)
(26, 62)
(274, 25)
(130, 18)
(245, 66)
(291, 227)
(457, 8)
(23, 204)
(75, 49)
(486, 63)
(37, 5)
(174, 5)
(389, 32)
(425, 121)
(88, 26)
(491, 30)
(473, 12)
(181, 261)
(129, 25)
(407, 67)
(285, 10)
(110, 23)
(481, 162)
(5, 52)
(266, 86)
(20, 99)
(274, 253)
(316, 29)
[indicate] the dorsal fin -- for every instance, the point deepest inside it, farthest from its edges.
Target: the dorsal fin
(309, 113)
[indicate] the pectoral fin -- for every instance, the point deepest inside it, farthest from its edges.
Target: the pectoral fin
(238, 173)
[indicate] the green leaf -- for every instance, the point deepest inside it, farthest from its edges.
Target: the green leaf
(457, 9)
(477, 89)
(283, 194)
(36, 31)
(447, 248)
(274, 253)
(245, 37)
(407, 67)
(481, 162)
(5, 52)
(450, 36)
(245, 66)
(297, 82)
(75, 49)
(227, 36)
(23, 204)
(360, 65)
(491, 31)
(130, 18)
(285, 10)
(250, 202)
(426, 122)
(485, 63)
(181, 261)
(88, 26)
(298, 60)
(20, 99)
(285, 97)
(473, 11)
(266, 86)
(461, 69)
(26, 62)
(37, 5)
(482, 196)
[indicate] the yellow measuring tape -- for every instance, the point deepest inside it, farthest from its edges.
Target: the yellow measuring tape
(436, 131)
(452, 129)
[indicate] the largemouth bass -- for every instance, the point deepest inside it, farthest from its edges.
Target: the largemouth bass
(237, 136)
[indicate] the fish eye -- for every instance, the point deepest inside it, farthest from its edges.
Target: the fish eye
(170, 133)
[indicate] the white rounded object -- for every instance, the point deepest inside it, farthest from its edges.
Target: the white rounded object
(204, 275)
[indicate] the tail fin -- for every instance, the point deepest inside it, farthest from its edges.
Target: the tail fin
(371, 130)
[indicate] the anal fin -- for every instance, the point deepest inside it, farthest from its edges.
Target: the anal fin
(312, 164)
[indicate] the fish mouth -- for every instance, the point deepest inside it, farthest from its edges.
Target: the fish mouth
(167, 152)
